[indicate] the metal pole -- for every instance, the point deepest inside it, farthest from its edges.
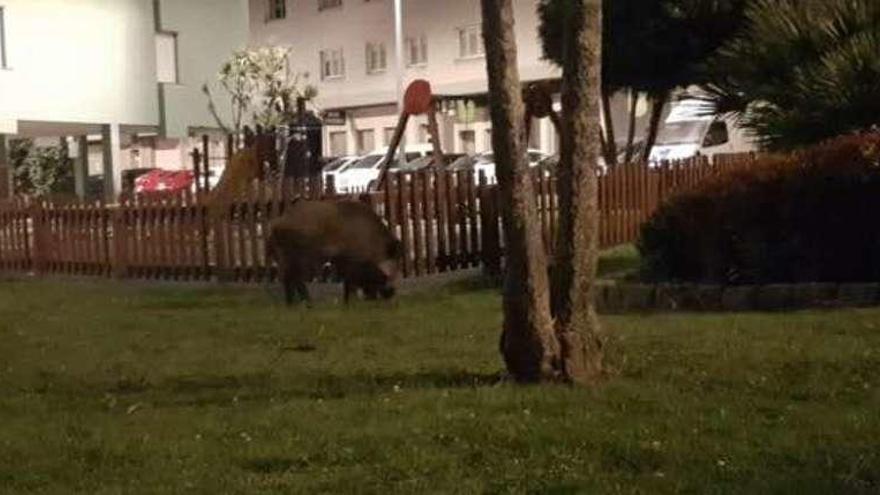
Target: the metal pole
(398, 48)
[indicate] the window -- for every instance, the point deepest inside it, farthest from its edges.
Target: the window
(338, 143)
(166, 58)
(470, 42)
(468, 142)
(416, 51)
(332, 64)
(717, 134)
(424, 134)
(277, 10)
(388, 135)
(377, 60)
(366, 141)
(329, 4)
(3, 62)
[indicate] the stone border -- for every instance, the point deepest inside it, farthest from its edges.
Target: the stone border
(624, 297)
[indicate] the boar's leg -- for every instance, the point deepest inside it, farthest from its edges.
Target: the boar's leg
(303, 292)
(288, 281)
(293, 276)
(347, 289)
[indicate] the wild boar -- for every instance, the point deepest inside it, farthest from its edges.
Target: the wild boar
(348, 234)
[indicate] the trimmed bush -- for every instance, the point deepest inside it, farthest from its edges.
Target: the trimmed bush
(812, 216)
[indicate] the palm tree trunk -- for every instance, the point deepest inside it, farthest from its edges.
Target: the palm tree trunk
(658, 105)
(631, 134)
(610, 137)
(578, 329)
(528, 343)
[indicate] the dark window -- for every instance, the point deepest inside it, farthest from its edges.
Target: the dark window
(717, 134)
(277, 9)
(329, 4)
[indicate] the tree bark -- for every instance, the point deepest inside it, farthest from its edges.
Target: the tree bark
(658, 104)
(528, 344)
(577, 249)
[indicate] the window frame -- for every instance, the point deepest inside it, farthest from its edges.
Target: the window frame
(329, 5)
(381, 54)
(273, 12)
(465, 33)
(323, 59)
(420, 44)
(4, 60)
(174, 37)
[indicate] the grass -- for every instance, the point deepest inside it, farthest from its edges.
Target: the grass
(619, 262)
(117, 389)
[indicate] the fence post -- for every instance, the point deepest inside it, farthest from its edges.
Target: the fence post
(330, 186)
(219, 223)
(491, 250)
(197, 174)
(38, 238)
(119, 258)
(206, 168)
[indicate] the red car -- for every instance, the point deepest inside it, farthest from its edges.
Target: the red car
(164, 182)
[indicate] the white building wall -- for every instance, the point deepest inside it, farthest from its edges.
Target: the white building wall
(208, 32)
(81, 61)
(352, 26)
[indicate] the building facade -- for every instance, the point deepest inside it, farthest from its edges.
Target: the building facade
(123, 75)
(347, 49)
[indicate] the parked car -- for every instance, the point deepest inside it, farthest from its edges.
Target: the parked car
(336, 166)
(428, 161)
(130, 176)
(164, 182)
(361, 173)
(485, 164)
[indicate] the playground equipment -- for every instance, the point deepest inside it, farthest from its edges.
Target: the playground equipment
(418, 100)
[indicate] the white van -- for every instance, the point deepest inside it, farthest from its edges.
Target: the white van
(687, 132)
(357, 176)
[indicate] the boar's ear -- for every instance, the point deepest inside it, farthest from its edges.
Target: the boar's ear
(395, 249)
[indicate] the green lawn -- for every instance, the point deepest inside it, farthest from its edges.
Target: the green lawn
(116, 389)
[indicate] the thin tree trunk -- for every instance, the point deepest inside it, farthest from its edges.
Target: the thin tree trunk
(658, 104)
(631, 134)
(528, 343)
(578, 329)
(610, 137)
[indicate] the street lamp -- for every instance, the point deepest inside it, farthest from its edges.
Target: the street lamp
(398, 48)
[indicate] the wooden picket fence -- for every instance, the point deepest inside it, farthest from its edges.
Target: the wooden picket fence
(446, 220)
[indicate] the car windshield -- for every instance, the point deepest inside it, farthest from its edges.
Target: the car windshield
(536, 157)
(335, 165)
(368, 162)
(686, 132)
(463, 162)
(420, 162)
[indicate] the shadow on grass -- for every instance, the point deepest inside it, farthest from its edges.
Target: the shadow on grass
(226, 390)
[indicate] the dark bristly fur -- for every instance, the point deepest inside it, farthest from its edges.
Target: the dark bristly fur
(347, 233)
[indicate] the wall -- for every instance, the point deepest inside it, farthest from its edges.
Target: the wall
(209, 31)
(79, 61)
(357, 22)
